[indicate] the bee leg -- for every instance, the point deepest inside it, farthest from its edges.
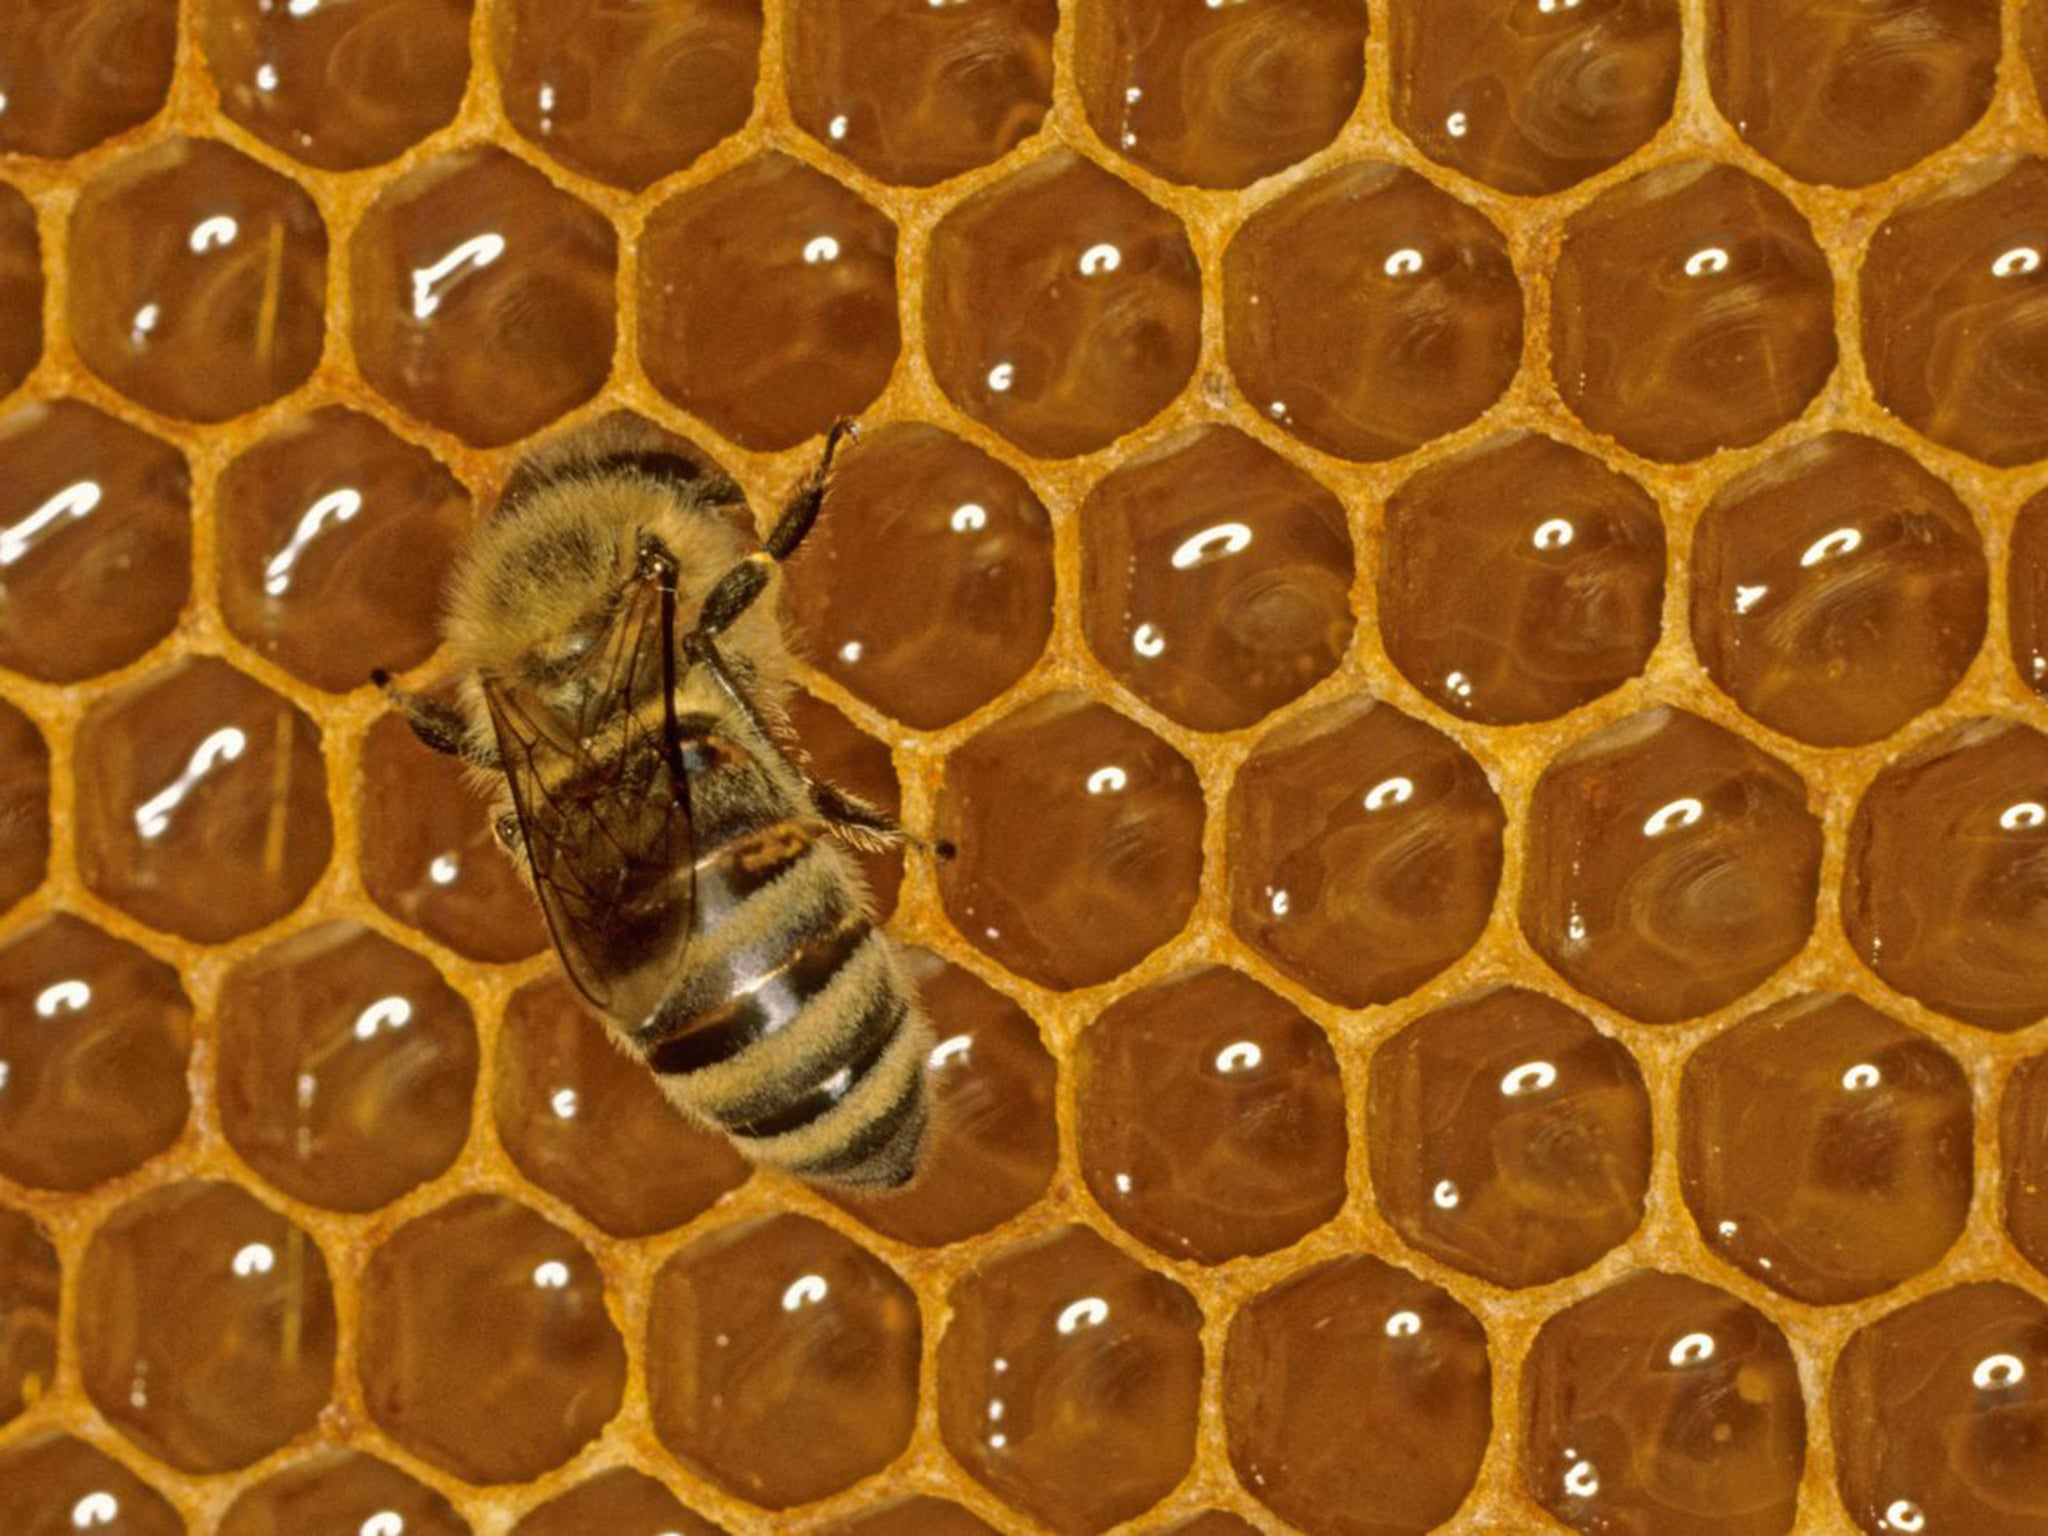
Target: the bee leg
(437, 725)
(868, 826)
(802, 510)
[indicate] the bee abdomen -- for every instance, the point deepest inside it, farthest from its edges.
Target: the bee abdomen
(794, 1033)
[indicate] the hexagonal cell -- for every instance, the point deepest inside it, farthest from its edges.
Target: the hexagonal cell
(1079, 837)
(1691, 311)
(338, 86)
(768, 302)
(1061, 307)
(920, 1515)
(53, 1485)
(1955, 304)
(1211, 1117)
(573, 1110)
(1934, 1409)
(2023, 1147)
(926, 586)
(1221, 98)
(21, 289)
(783, 1360)
(1540, 99)
(95, 1037)
(202, 801)
(1367, 311)
(335, 540)
(1671, 866)
(29, 1283)
(74, 72)
(1825, 1148)
(346, 1067)
(339, 1491)
(620, 1502)
(1215, 578)
(1942, 891)
(1661, 1404)
(844, 755)
(1848, 95)
(627, 93)
(205, 1328)
(485, 1345)
(1838, 589)
(2027, 593)
(1520, 579)
(197, 281)
(914, 95)
(994, 1142)
(24, 806)
(1509, 1137)
(1357, 1399)
(96, 533)
(429, 857)
(483, 297)
(1364, 849)
(1069, 1380)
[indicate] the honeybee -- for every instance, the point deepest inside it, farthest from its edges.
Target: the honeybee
(621, 699)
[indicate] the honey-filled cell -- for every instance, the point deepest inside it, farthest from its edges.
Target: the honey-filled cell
(202, 801)
(75, 72)
(926, 586)
(627, 93)
(914, 94)
(197, 280)
(95, 539)
(336, 537)
(49, 1480)
(338, 86)
(768, 302)
(1221, 96)
(24, 806)
(342, 1491)
(346, 1067)
(29, 1283)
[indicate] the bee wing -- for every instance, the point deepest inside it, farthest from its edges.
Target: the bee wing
(605, 813)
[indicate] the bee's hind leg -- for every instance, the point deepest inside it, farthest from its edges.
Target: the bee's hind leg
(864, 825)
(437, 725)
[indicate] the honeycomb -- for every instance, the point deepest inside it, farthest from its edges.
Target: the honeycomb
(1469, 576)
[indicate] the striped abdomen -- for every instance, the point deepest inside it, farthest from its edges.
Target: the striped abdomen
(791, 1027)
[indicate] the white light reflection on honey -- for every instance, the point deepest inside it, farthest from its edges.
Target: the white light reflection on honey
(2023, 816)
(820, 250)
(337, 506)
(75, 500)
(953, 1048)
(96, 1509)
(431, 284)
(444, 868)
(1903, 1515)
(969, 517)
(67, 996)
(564, 1102)
(1088, 1312)
(1832, 546)
(1693, 1349)
(1530, 1077)
(551, 1275)
(1108, 781)
(1398, 790)
(1147, 641)
(386, 1522)
(1710, 261)
(1217, 543)
(1996, 1373)
(1405, 262)
(153, 816)
(1240, 1056)
(1001, 377)
(1862, 1077)
(1445, 1196)
(254, 1259)
(1678, 814)
(1581, 1478)
(1100, 259)
(2020, 261)
(804, 1291)
(1553, 533)
(387, 1015)
(214, 234)
(1404, 1325)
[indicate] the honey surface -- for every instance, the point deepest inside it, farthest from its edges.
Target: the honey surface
(1470, 578)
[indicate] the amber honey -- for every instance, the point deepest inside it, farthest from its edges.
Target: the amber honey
(1469, 576)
